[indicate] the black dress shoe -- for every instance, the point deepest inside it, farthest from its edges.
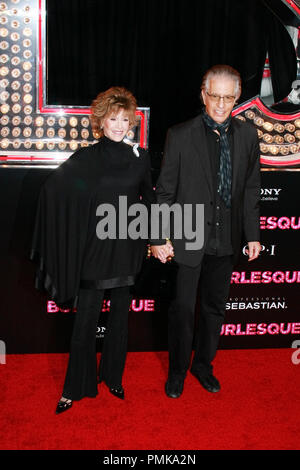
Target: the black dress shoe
(63, 405)
(118, 392)
(174, 387)
(209, 382)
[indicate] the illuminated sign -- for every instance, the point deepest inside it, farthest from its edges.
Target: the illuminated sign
(32, 130)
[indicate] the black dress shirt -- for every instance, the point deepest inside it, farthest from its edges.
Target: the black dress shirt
(219, 240)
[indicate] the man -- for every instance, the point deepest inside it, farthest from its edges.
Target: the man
(212, 160)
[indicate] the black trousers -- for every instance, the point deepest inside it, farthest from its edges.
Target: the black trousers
(212, 277)
(81, 377)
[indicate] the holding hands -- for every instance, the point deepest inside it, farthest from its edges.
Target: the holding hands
(163, 252)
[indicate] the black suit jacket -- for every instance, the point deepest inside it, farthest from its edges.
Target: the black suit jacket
(186, 178)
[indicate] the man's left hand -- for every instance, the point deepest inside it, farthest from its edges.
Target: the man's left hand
(253, 250)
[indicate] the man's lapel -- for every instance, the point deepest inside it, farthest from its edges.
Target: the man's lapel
(198, 139)
(236, 155)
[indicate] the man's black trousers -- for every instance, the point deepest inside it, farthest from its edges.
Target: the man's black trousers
(212, 278)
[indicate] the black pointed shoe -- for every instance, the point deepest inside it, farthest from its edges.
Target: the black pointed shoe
(118, 392)
(174, 387)
(63, 405)
(209, 382)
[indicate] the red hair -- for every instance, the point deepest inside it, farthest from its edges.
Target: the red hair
(111, 102)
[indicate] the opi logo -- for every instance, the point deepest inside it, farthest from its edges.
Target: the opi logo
(265, 250)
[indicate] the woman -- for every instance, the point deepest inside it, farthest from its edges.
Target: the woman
(78, 261)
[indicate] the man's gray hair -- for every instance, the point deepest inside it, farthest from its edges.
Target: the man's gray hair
(222, 71)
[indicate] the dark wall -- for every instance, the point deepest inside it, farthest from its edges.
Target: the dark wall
(160, 51)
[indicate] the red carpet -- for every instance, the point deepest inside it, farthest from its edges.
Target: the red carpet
(257, 407)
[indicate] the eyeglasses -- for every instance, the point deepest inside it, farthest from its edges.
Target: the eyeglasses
(227, 98)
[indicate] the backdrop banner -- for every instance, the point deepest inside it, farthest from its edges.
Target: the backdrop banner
(262, 308)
